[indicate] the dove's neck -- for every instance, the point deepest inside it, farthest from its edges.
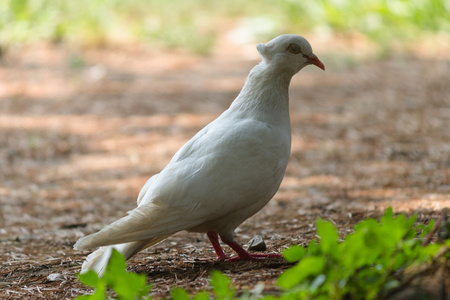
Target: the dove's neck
(265, 95)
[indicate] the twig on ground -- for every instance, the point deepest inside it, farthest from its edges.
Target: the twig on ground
(439, 221)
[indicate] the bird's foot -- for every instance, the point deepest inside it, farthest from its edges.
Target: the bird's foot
(242, 253)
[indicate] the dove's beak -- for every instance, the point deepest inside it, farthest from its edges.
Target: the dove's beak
(314, 60)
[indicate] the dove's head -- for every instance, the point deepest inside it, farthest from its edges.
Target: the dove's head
(289, 52)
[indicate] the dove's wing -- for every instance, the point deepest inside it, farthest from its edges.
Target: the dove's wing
(145, 188)
(226, 167)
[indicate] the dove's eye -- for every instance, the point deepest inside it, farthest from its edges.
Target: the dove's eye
(294, 48)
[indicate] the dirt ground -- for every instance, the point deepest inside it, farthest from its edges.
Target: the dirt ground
(81, 131)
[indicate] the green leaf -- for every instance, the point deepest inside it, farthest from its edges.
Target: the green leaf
(308, 266)
(84, 297)
(289, 278)
(430, 250)
(388, 216)
(294, 253)
(289, 295)
(126, 285)
(371, 238)
(313, 248)
(202, 296)
(99, 294)
(328, 236)
(426, 228)
(447, 242)
(179, 294)
(90, 278)
(410, 222)
(221, 285)
(268, 297)
(116, 265)
(131, 285)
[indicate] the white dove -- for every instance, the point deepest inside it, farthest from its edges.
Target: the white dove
(225, 174)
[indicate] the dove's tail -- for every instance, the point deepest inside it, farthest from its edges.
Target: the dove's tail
(144, 226)
(149, 222)
(98, 260)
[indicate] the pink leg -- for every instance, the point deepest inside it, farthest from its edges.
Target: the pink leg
(214, 238)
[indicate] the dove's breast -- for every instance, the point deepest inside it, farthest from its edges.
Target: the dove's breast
(227, 172)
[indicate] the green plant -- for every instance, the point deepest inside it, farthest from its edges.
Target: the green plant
(365, 265)
(126, 285)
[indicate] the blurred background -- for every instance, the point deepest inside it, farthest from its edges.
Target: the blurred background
(97, 95)
(197, 24)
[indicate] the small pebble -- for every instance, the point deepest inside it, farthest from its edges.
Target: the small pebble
(257, 244)
(55, 277)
